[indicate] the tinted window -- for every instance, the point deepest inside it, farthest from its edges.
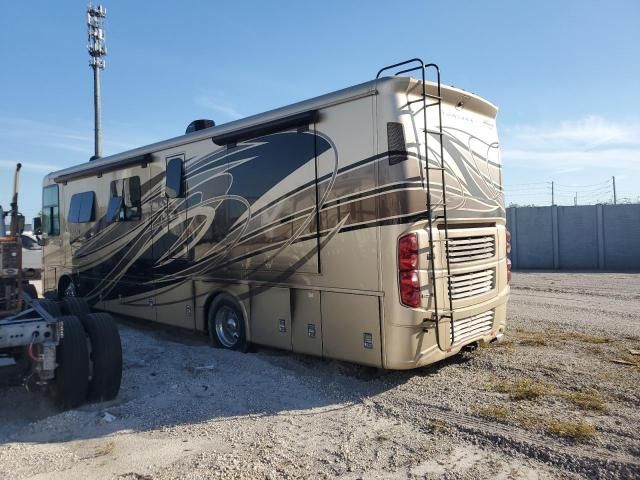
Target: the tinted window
(81, 208)
(113, 210)
(29, 243)
(125, 201)
(174, 178)
(50, 212)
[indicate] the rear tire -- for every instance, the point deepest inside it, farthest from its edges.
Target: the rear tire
(72, 375)
(50, 306)
(106, 357)
(226, 324)
(76, 306)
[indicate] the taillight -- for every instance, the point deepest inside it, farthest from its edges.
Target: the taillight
(508, 259)
(408, 270)
(408, 252)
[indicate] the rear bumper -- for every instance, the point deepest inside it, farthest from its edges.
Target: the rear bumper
(410, 346)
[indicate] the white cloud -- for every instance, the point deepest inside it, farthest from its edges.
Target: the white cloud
(53, 136)
(591, 130)
(20, 127)
(574, 158)
(38, 167)
(592, 141)
(217, 105)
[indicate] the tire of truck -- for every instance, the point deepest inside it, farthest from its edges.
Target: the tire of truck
(71, 380)
(31, 290)
(77, 306)
(50, 306)
(226, 324)
(105, 355)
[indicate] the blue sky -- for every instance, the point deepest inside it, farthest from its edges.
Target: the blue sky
(565, 75)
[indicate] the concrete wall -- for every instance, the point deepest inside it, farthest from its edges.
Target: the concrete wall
(590, 237)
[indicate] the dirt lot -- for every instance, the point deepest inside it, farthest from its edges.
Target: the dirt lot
(558, 398)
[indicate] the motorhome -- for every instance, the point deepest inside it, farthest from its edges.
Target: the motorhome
(366, 225)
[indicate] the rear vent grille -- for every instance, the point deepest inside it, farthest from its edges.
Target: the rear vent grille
(396, 143)
(472, 327)
(470, 249)
(466, 285)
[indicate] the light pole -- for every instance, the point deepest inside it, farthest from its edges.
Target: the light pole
(97, 50)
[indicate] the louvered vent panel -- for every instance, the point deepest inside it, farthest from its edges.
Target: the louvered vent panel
(465, 285)
(470, 249)
(465, 329)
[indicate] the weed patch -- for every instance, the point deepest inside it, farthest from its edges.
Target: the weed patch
(532, 339)
(628, 359)
(547, 337)
(103, 450)
(522, 389)
(587, 399)
(576, 430)
(529, 389)
(584, 338)
(499, 412)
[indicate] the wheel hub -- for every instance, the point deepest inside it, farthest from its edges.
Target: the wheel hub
(227, 327)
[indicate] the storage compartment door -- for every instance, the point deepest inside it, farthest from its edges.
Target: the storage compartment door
(351, 328)
(306, 328)
(271, 316)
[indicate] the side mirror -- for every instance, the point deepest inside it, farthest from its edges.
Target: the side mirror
(37, 226)
(20, 224)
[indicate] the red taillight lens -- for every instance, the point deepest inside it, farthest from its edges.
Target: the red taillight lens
(409, 279)
(408, 262)
(408, 266)
(408, 252)
(508, 242)
(410, 288)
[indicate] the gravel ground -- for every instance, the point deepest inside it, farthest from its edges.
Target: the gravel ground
(558, 398)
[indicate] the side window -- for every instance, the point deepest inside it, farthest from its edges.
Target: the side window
(81, 208)
(125, 200)
(50, 211)
(174, 180)
(29, 243)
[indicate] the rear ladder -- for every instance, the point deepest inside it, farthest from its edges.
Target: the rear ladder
(429, 100)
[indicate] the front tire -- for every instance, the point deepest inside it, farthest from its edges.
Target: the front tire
(226, 324)
(67, 288)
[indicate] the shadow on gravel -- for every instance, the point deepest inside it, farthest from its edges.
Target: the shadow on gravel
(172, 378)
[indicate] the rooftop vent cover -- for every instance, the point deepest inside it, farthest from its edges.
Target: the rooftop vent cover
(200, 124)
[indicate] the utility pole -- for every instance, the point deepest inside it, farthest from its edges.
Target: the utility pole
(575, 200)
(614, 189)
(97, 50)
(552, 196)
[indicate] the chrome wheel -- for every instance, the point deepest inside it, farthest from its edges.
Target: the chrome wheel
(70, 291)
(227, 325)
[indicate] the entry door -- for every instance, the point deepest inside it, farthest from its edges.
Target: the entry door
(173, 251)
(174, 300)
(135, 219)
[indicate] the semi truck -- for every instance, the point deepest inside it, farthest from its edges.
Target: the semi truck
(59, 347)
